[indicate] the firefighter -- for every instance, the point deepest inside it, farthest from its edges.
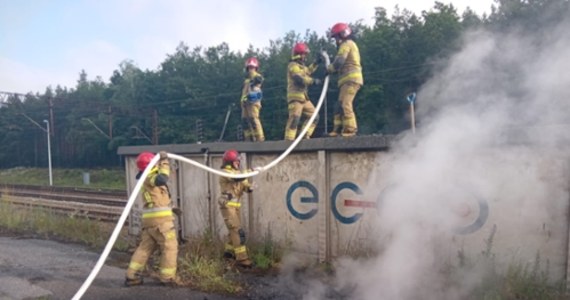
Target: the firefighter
(158, 230)
(251, 95)
(298, 102)
(347, 65)
(230, 202)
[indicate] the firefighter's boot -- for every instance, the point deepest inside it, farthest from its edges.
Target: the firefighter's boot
(133, 281)
(242, 259)
(173, 282)
(337, 125)
(245, 263)
(229, 252)
(349, 132)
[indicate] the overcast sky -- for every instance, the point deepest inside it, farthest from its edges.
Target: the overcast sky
(48, 42)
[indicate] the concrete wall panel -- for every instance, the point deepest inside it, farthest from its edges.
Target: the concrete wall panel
(353, 208)
(193, 188)
(286, 201)
(136, 210)
(526, 221)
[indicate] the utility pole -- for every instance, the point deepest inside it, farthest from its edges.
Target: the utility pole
(51, 117)
(412, 100)
(49, 152)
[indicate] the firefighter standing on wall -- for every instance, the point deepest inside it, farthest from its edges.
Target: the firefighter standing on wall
(298, 80)
(231, 192)
(158, 229)
(251, 102)
(347, 65)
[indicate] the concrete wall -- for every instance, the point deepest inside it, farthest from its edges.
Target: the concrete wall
(328, 199)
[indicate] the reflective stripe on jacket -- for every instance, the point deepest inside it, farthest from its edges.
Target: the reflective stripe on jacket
(157, 206)
(347, 64)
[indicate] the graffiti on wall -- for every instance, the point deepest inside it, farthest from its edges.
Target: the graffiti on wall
(306, 207)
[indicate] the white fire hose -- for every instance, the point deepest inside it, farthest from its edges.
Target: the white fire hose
(155, 159)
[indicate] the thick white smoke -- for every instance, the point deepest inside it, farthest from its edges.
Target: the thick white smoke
(491, 125)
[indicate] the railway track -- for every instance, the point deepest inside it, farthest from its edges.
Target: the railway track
(98, 204)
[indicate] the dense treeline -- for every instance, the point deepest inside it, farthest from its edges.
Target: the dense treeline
(188, 98)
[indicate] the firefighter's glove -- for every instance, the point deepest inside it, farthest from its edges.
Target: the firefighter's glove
(252, 187)
(163, 155)
(317, 81)
(258, 169)
(177, 211)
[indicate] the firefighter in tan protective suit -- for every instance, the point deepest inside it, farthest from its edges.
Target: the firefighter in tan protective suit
(347, 65)
(158, 229)
(251, 102)
(231, 191)
(298, 102)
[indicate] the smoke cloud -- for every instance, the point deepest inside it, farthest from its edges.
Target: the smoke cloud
(484, 173)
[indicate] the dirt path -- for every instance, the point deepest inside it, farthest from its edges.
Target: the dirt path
(33, 268)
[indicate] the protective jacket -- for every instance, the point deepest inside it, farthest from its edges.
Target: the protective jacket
(232, 189)
(347, 64)
(298, 80)
(157, 207)
(252, 86)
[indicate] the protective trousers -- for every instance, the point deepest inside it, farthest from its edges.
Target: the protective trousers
(252, 128)
(163, 237)
(232, 219)
(344, 118)
(298, 109)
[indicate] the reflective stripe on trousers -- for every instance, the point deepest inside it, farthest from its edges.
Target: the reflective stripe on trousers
(157, 212)
(233, 204)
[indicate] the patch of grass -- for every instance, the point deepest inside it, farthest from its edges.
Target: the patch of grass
(49, 225)
(208, 274)
(262, 261)
(98, 178)
(523, 281)
(519, 280)
(266, 253)
(201, 262)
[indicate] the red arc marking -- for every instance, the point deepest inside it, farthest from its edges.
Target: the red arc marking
(359, 203)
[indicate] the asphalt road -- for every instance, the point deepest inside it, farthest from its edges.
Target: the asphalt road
(43, 269)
